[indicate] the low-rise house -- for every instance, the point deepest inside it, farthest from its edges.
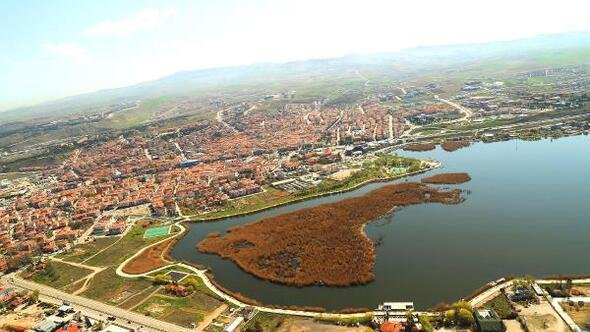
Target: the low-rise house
(117, 228)
(488, 321)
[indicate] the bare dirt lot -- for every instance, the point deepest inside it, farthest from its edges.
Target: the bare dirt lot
(513, 326)
(542, 317)
(580, 314)
(25, 319)
(308, 325)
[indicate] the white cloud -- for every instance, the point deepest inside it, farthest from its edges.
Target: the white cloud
(146, 19)
(64, 49)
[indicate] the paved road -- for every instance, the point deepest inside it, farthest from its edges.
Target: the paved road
(219, 118)
(94, 308)
(467, 112)
(489, 294)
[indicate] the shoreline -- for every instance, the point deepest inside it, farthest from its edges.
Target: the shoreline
(555, 278)
(208, 277)
(188, 219)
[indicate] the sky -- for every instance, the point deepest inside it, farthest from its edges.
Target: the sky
(52, 49)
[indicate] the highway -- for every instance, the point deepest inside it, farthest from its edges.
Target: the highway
(95, 309)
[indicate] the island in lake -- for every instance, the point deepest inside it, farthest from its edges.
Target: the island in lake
(447, 178)
(322, 245)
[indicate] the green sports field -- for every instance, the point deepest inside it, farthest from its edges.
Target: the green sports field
(156, 231)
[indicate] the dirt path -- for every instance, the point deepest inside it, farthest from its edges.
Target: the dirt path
(211, 316)
(142, 301)
(87, 282)
(95, 270)
(80, 265)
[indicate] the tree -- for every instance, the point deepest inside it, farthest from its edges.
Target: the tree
(449, 317)
(192, 283)
(34, 296)
(162, 279)
(426, 325)
(465, 317)
(409, 318)
(462, 305)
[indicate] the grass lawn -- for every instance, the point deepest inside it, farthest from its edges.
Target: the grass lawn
(59, 275)
(172, 268)
(179, 310)
(110, 288)
(251, 203)
(129, 245)
(501, 306)
(82, 251)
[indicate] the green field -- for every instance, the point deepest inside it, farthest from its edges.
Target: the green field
(110, 288)
(83, 251)
(127, 246)
(59, 275)
(156, 232)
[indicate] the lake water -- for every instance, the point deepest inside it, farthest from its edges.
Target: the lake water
(527, 212)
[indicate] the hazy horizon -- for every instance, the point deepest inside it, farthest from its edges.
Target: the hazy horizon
(90, 46)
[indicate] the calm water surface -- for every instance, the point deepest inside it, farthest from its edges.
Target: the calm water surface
(527, 211)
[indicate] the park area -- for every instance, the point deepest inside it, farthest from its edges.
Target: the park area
(89, 270)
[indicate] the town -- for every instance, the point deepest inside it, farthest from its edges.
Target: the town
(108, 189)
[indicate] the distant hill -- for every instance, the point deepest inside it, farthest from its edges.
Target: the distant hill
(560, 49)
